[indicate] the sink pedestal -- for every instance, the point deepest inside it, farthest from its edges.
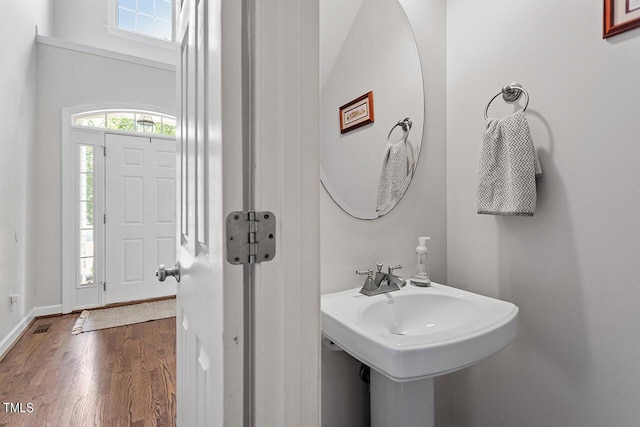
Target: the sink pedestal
(408, 404)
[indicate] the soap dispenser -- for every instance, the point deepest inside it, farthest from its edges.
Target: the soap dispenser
(420, 276)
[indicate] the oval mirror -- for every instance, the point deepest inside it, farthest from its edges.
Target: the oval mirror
(367, 46)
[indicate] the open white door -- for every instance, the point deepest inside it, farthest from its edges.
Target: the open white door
(209, 185)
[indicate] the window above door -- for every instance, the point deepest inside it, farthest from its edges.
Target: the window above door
(147, 21)
(136, 121)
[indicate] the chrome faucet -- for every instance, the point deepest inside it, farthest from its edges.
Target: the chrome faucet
(382, 283)
(370, 286)
(395, 280)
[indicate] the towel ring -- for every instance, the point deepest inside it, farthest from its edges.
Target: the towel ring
(510, 93)
(405, 125)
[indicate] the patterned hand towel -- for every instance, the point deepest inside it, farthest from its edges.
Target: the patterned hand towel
(508, 168)
(395, 176)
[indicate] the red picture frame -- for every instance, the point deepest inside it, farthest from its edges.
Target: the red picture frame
(357, 113)
(620, 16)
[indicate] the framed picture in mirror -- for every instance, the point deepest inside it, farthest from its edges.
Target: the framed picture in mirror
(356, 113)
(620, 16)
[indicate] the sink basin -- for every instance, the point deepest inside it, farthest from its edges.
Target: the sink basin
(418, 333)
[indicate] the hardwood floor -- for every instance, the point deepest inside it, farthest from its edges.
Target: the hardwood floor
(121, 376)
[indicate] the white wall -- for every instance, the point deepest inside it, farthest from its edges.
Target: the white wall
(572, 268)
(67, 78)
(348, 244)
(17, 142)
(336, 19)
(85, 22)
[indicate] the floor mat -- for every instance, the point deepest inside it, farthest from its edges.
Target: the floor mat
(92, 320)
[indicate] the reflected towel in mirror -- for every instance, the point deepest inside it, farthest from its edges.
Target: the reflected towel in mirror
(395, 176)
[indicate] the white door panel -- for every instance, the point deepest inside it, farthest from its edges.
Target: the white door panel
(140, 211)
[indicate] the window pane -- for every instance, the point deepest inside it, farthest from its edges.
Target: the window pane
(163, 10)
(83, 187)
(85, 211)
(86, 187)
(129, 4)
(126, 20)
(124, 120)
(86, 215)
(163, 29)
(157, 120)
(170, 130)
(169, 121)
(165, 129)
(96, 120)
(86, 271)
(146, 6)
(149, 17)
(86, 158)
(168, 126)
(121, 121)
(145, 25)
(86, 243)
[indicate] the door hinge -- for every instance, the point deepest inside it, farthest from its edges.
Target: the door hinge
(251, 237)
(104, 286)
(104, 150)
(104, 218)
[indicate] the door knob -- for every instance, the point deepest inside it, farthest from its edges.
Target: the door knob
(162, 272)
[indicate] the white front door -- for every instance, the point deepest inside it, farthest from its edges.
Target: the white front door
(209, 176)
(140, 215)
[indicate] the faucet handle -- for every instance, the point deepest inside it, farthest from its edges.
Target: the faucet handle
(379, 267)
(397, 267)
(368, 272)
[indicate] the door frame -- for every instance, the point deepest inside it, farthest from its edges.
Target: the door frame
(69, 195)
(282, 66)
(284, 104)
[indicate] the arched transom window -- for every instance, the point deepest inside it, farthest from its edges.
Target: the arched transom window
(137, 121)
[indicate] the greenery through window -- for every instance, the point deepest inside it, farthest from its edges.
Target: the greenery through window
(86, 201)
(128, 121)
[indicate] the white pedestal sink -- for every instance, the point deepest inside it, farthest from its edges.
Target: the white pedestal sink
(407, 337)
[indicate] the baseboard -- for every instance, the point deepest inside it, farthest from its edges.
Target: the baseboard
(14, 335)
(47, 310)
